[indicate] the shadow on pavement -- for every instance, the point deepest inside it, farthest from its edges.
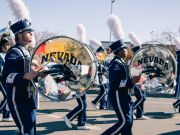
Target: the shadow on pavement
(159, 95)
(178, 124)
(48, 111)
(159, 115)
(8, 132)
(104, 116)
(171, 133)
(50, 127)
(92, 119)
(4, 126)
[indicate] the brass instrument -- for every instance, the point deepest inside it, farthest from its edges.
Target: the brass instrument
(67, 68)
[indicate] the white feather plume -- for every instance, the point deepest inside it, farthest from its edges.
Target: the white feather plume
(115, 27)
(177, 42)
(81, 31)
(19, 9)
(95, 43)
(136, 41)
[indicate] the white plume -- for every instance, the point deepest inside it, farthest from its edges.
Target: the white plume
(136, 41)
(81, 31)
(177, 42)
(115, 27)
(19, 9)
(95, 43)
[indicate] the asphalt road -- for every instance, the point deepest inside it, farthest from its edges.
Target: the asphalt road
(163, 120)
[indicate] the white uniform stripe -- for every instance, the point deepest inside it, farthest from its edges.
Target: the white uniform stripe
(138, 102)
(121, 113)
(3, 104)
(102, 95)
(3, 88)
(10, 78)
(16, 111)
(79, 110)
(5, 93)
(177, 104)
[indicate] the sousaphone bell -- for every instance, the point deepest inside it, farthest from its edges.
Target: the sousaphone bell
(67, 68)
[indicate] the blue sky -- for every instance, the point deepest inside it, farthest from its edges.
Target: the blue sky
(62, 16)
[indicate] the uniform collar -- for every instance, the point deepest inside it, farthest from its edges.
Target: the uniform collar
(120, 58)
(22, 45)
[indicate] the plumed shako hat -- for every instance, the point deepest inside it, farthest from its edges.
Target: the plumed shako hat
(20, 26)
(116, 46)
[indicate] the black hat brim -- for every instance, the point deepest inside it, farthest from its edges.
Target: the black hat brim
(28, 30)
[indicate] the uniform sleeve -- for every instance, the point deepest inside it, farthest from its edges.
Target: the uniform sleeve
(12, 73)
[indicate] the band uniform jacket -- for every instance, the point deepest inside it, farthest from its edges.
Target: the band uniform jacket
(102, 74)
(119, 76)
(17, 63)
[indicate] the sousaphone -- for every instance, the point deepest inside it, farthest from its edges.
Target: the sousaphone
(157, 67)
(67, 68)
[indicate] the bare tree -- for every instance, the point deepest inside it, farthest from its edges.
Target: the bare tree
(164, 37)
(43, 35)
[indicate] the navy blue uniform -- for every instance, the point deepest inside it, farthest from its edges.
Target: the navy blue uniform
(177, 90)
(6, 113)
(19, 95)
(139, 103)
(120, 98)
(79, 111)
(102, 96)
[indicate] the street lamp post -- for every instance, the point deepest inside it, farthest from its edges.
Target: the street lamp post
(152, 36)
(111, 11)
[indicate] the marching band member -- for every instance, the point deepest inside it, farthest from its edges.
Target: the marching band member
(17, 76)
(139, 103)
(120, 82)
(5, 43)
(80, 110)
(101, 98)
(119, 94)
(176, 104)
(138, 91)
